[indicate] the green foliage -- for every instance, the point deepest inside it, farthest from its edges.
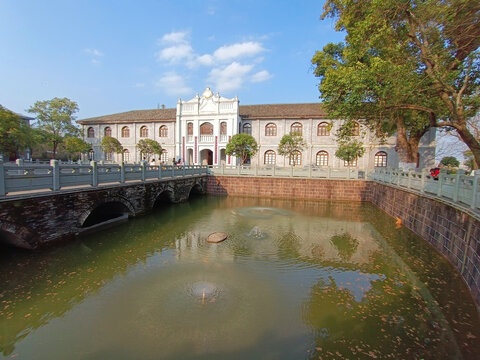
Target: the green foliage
(75, 146)
(291, 144)
(111, 145)
(55, 119)
(349, 151)
(345, 244)
(149, 147)
(242, 146)
(15, 133)
(450, 161)
(405, 66)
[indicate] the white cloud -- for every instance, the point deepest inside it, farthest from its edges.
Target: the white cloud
(261, 76)
(206, 60)
(175, 53)
(238, 50)
(173, 84)
(94, 52)
(177, 37)
(229, 78)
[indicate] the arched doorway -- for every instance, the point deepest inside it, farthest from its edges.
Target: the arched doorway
(223, 157)
(206, 157)
(190, 157)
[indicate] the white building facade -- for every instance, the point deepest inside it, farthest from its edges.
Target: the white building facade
(197, 131)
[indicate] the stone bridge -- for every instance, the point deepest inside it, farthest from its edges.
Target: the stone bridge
(43, 219)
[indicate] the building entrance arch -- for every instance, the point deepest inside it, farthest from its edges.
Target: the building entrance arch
(206, 157)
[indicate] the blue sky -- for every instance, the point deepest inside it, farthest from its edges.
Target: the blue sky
(114, 56)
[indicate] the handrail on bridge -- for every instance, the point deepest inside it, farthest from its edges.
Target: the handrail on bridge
(21, 177)
(458, 188)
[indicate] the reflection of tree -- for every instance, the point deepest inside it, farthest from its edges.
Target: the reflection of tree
(345, 244)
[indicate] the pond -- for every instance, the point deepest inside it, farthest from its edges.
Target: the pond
(293, 280)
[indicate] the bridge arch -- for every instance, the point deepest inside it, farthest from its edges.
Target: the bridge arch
(196, 189)
(166, 196)
(105, 210)
(17, 235)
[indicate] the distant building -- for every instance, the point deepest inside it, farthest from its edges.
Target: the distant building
(198, 130)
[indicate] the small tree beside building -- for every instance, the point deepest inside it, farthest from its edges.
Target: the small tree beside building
(111, 145)
(243, 146)
(350, 151)
(149, 147)
(291, 145)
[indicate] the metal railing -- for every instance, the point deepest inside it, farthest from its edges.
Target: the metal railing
(457, 188)
(290, 171)
(56, 176)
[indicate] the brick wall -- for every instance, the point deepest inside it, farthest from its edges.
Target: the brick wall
(288, 188)
(452, 231)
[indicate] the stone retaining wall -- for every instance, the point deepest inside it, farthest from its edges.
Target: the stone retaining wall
(452, 231)
(290, 188)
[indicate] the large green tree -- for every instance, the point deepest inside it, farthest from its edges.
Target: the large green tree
(149, 147)
(15, 133)
(405, 66)
(242, 146)
(290, 144)
(55, 117)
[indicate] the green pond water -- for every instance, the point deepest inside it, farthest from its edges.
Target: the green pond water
(293, 280)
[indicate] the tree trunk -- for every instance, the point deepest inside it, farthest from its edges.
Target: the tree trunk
(407, 146)
(471, 142)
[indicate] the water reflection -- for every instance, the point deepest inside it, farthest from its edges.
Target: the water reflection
(330, 280)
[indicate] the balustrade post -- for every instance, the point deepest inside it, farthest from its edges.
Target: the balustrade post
(184, 172)
(457, 184)
(55, 175)
(291, 170)
(2, 180)
(238, 169)
(410, 175)
(441, 177)
(160, 170)
(143, 167)
(122, 172)
(424, 180)
(274, 166)
(476, 180)
(93, 164)
(173, 171)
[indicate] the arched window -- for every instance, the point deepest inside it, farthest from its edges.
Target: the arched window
(247, 129)
(126, 155)
(107, 131)
(296, 158)
(296, 129)
(355, 129)
(190, 128)
(223, 128)
(90, 132)
(143, 131)
(323, 129)
(381, 159)
(270, 157)
(163, 131)
(270, 129)
(91, 155)
(322, 158)
(164, 157)
(125, 132)
(206, 129)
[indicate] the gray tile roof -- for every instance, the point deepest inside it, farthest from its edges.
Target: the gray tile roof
(265, 111)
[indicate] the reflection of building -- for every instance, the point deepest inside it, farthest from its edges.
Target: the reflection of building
(198, 130)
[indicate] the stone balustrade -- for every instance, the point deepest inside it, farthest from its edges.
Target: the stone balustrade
(25, 177)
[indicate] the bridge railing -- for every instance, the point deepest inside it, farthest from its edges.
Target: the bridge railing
(457, 188)
(290, 171)
(23, 177)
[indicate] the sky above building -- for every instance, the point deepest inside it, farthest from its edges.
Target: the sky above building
(114, 56)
